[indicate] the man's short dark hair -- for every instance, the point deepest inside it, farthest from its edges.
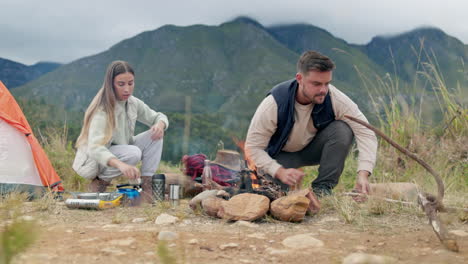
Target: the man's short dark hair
(314, 61)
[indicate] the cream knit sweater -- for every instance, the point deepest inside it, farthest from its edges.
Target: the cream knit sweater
(126, 115)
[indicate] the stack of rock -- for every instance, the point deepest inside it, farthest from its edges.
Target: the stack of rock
(250, 207)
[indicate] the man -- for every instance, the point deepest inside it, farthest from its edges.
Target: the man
(301, 123)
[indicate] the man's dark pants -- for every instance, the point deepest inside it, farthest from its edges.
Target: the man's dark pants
(328, 149)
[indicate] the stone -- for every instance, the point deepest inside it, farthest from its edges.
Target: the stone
(274, 251)
(223, 194)
(196, 201)
(228, 246)
(113, 251)
(328, 219)
(110, 226)
(123, 242)
(88, 239)
(211, 205)
(290, 208)
(360, 248)
(166, 219)
(167, 235)
(257, 235)
(245, 206)
(193, 241)
(302, 241)
(246, 224)
(27, 218)
(460, 233)
(187, 222)
(139, 220)
(301, 192)
(361, 258)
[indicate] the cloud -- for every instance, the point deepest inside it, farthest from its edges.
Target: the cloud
(62, 31)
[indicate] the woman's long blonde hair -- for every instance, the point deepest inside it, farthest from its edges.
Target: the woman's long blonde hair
(104, 100)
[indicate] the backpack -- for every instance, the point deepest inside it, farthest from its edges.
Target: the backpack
(194, 164)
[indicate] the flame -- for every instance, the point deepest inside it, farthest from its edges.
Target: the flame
(249, 162)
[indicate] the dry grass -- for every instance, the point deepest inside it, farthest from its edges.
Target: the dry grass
(61, 154)
(119, 218)
(347, 209)
(47, 202)
(11, 204)
(167, 167)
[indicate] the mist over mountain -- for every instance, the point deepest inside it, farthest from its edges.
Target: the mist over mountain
(14, 74)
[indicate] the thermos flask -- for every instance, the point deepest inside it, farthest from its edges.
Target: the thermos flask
(159, 187)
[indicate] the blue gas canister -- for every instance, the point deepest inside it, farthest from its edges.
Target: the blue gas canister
(131, 195)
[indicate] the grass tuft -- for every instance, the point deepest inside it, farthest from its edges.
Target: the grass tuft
(17, 233)
(164, 254)
(347, 209)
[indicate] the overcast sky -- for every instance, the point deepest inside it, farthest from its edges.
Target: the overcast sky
(63, 30)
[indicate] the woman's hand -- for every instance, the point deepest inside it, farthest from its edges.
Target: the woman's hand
(157, 131)
(129, 171)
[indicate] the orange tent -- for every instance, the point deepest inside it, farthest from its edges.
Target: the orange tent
(22, 159)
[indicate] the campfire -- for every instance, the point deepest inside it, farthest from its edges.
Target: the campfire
(254, 182)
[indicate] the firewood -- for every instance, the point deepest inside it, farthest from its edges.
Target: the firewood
(447, 208)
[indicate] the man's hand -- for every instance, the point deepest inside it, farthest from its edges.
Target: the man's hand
(289, 176)
(362, 185)
(157, 131)
(314, 204)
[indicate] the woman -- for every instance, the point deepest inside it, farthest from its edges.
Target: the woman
(107, 147)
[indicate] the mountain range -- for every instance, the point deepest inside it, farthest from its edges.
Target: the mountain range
(227, 69)
(14, 74)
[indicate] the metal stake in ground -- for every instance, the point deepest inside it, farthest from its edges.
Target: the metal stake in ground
(430, 203)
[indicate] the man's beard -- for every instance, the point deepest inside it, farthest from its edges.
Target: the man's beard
(314, 98)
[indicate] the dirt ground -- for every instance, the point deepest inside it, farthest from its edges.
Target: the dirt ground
(116, 236)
